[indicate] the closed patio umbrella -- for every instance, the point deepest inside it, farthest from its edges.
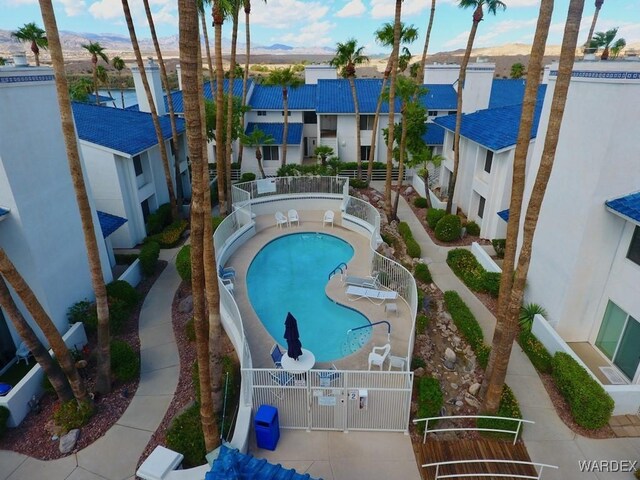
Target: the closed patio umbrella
(291, 335)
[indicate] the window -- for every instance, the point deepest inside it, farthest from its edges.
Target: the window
(137, 165)
(288, 113)
(634, 248)
(365, 150)
(432, 113)
(145, 209)
(366, 122)
(481, 206)
(262, 113)
(452, 112)
(310, 117)
(618, 339)
(488, 161)
(173, 147)
(270, 152)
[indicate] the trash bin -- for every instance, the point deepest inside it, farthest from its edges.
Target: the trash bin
(267, 427)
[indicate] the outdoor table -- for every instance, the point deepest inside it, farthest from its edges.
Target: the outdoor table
(305, 362)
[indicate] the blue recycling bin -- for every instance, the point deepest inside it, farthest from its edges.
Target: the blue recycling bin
(267, 427)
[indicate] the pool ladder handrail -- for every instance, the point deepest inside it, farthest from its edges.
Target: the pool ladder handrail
(338, 269)
(371, 325)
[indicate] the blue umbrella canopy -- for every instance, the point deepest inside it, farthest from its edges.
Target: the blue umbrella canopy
(291, 335)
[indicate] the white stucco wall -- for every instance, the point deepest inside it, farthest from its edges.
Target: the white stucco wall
(477, 91)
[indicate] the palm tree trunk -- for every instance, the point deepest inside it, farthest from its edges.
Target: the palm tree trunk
(95, 79)
(426, 187)
(593, 26)
(172, 115)
(218, 20)
(152, 108)
(121, 89)
(565, 67)
(259, 160)
(423, 60)
(285, 129)
(36, 52)
(403, 144)
(103, 380)
(189, 61)
(376, 118)
(356, 107)
(208, 52)
(24, 292)
(51, 368)
(245, 79)
(392, 104)
(456, 137)
(232, 66)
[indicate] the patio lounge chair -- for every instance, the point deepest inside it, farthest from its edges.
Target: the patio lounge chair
(226, 273)
(293, 217)
(329, 375)
(280, 378)
(365, 282)
(328, 218)
(281, 220)
(379, 358)
(276, 355)
(376, 297)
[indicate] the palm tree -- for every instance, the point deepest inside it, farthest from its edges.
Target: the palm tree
(424, 158)
(397, 30)
(96, 50)
(42, 319)
(80, 89)
(517, 70)
(190, 59)
(103, 78)
(617, 47)
(478, 15)
(323, 152)
(103, 380)
(604, 40)
(423, 60)
(50, 368)
(256, 139)
(32, 33)
(598, 4)
(218, 19)
(513, 280)
(3, 61)
(118, 64)
(152, 107)
(384, 37)
(172, 114)
(203, 25)
(285, 78)
(348, 56)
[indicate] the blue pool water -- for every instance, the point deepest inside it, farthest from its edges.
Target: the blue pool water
(290, 274)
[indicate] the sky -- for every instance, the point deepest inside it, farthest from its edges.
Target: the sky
(325, 22)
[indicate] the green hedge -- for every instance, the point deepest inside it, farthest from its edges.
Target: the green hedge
(422, 273)
(118, 315)
(422, 322)
(185, 436)
(149, 258)
(473, 228)
(420, 202)
(591, 406)
(413, 249)
(171, 235)
(72, 414)
(466, 266)
(448, 228)
(159, 219)
(433, 217)
(247, 177)
(183, 263)
(124, 292)
(125, 362)
(508, 408)
(430, 400)
(467, 325)
(539, 356)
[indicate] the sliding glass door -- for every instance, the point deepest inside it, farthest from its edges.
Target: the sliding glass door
(619, 339)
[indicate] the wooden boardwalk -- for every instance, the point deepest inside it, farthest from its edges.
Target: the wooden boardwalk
(445, 451)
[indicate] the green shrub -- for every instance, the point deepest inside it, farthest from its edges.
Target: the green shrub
(448, 228)
(247, 177)
(4, 418)
(483, 351)
(528, 313)
(591, 406)
(79, 311)
(466, 266)
(185, 436)
(433, 217)
(388, 239)
(473, 228)
(421, 297)
(71, 414)
(154, 224)
(164, 212)
(124, 292)
(491, 283)
(172, 235)
(539, 356)
(467, 325)
(417, 362)
(508, 408)
(118, 315)
(413, 249)
(422, 322)
(420, 202)
(422, 273)
(404, 230)
(499, 246)
(125, 363)
(215, 222)
(359, 184)
(149, 258)
(183, 263)
(430, 400)
(190, 330)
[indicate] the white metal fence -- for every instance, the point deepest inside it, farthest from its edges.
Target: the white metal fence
(294, 185)
(334, 399)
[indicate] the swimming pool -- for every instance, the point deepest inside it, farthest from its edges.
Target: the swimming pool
(289, 274)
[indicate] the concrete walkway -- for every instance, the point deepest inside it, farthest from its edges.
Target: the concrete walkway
(115, 455)
(549, 441)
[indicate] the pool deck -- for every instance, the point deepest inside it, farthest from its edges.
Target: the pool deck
(260, 341)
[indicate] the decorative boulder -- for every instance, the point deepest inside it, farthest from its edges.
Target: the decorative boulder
(68, 441)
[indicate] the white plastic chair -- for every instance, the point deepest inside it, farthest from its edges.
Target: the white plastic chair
(23, 353)
(281, 220)
(328, 218)
(293, 217)
(377, 358)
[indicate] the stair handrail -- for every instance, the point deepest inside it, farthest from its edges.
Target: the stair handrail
(338, 269)
(371, 325)
(516, 432)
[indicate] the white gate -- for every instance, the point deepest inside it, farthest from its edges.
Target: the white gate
(335, 399)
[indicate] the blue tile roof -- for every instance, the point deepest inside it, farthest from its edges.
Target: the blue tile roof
(494, 128)
(440, 97)
(628, 206)
(233, 464)
(109, 223)
(276, 130)
(334, 96)
(434, 135)
(178, 105)
(126, 131)
(504, 214)
(269, 97)
(3, 211)
(505, 92)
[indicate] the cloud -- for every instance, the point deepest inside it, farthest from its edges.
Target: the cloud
(284, 13)
(354, 8)
(71, 8)
(509, 3)
(315, 34)
(386, 8)
(459, 41)
(163, 11)
(495, 35)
